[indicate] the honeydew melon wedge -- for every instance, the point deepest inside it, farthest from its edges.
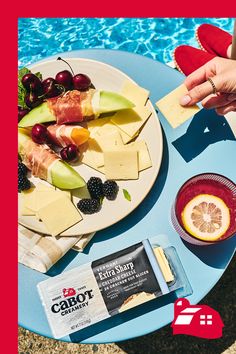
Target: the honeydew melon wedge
(60, 174)
(105, 102)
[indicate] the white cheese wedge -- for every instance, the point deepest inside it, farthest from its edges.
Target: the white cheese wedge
(144, 160)
(59, 215)
(135, 93)
(173, 111)
(131, 120)
(121, 164)
(163, 263)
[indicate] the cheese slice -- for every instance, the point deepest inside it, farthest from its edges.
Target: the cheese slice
(172, 109)
(163, 263)
(59, 215)
(29, 199)
(121, 164)
(94, 125)
(108, 141)
(87, 158)
(135, 300)
(66, 192)
(131, 120)
(110, 127)
(96, 152)
(135, 93)
(144, 160)
(40, 197)
(23, 210)
(44, 187)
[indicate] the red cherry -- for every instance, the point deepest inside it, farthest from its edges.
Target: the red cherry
(32, 83)
(69, 153)
(65, 79)
(39, 134)
(81, 82)
(32, 100)
(22, 112)
(49, 88)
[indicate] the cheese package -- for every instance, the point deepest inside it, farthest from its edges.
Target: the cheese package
(172, 109)
(108, 286)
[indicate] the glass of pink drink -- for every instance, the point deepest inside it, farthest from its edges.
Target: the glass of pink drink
(204, 211)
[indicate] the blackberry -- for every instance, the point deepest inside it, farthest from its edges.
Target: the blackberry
(22, 169)
(23, 183)
(95, 187)
(89, 206)
(110, 189)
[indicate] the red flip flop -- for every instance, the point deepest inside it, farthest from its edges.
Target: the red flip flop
(213, 40)
(188, 59)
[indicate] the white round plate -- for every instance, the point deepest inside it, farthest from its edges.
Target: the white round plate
(107, 78)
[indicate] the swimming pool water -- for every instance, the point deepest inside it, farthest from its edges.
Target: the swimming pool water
(153, 37)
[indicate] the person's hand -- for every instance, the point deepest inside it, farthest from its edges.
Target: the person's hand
(223, 74)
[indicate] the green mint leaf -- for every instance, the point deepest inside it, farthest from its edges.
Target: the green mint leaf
(127, 195)
(21, 89)
(39, 75)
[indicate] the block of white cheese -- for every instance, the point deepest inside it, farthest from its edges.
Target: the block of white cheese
(136, 94)
(163, 263)
(144, 160)
(172, 109)
(121, 164)
(59, 215)
(131, 120)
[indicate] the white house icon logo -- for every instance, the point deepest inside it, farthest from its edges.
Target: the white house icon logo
(200, 321)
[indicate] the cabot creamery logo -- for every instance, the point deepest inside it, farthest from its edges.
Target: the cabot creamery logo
(199, 321)
(72, 302)
(69, 292)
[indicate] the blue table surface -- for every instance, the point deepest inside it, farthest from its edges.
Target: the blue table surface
(203, 144)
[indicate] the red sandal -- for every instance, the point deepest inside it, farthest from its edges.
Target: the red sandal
(188, 59)
(213, 40)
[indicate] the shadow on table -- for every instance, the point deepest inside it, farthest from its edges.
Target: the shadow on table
(122, 318)
(206, 128)
(212, 254)
(222, 299)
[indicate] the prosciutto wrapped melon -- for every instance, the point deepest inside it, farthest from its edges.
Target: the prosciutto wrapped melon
(45, 164)
(76, 107)
(63, 135)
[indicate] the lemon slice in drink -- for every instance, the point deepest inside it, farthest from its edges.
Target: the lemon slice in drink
(206, 217)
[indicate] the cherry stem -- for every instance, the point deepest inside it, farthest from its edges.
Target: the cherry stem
(59, 58)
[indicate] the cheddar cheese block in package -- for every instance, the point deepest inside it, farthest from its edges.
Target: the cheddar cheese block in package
(108, 286)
